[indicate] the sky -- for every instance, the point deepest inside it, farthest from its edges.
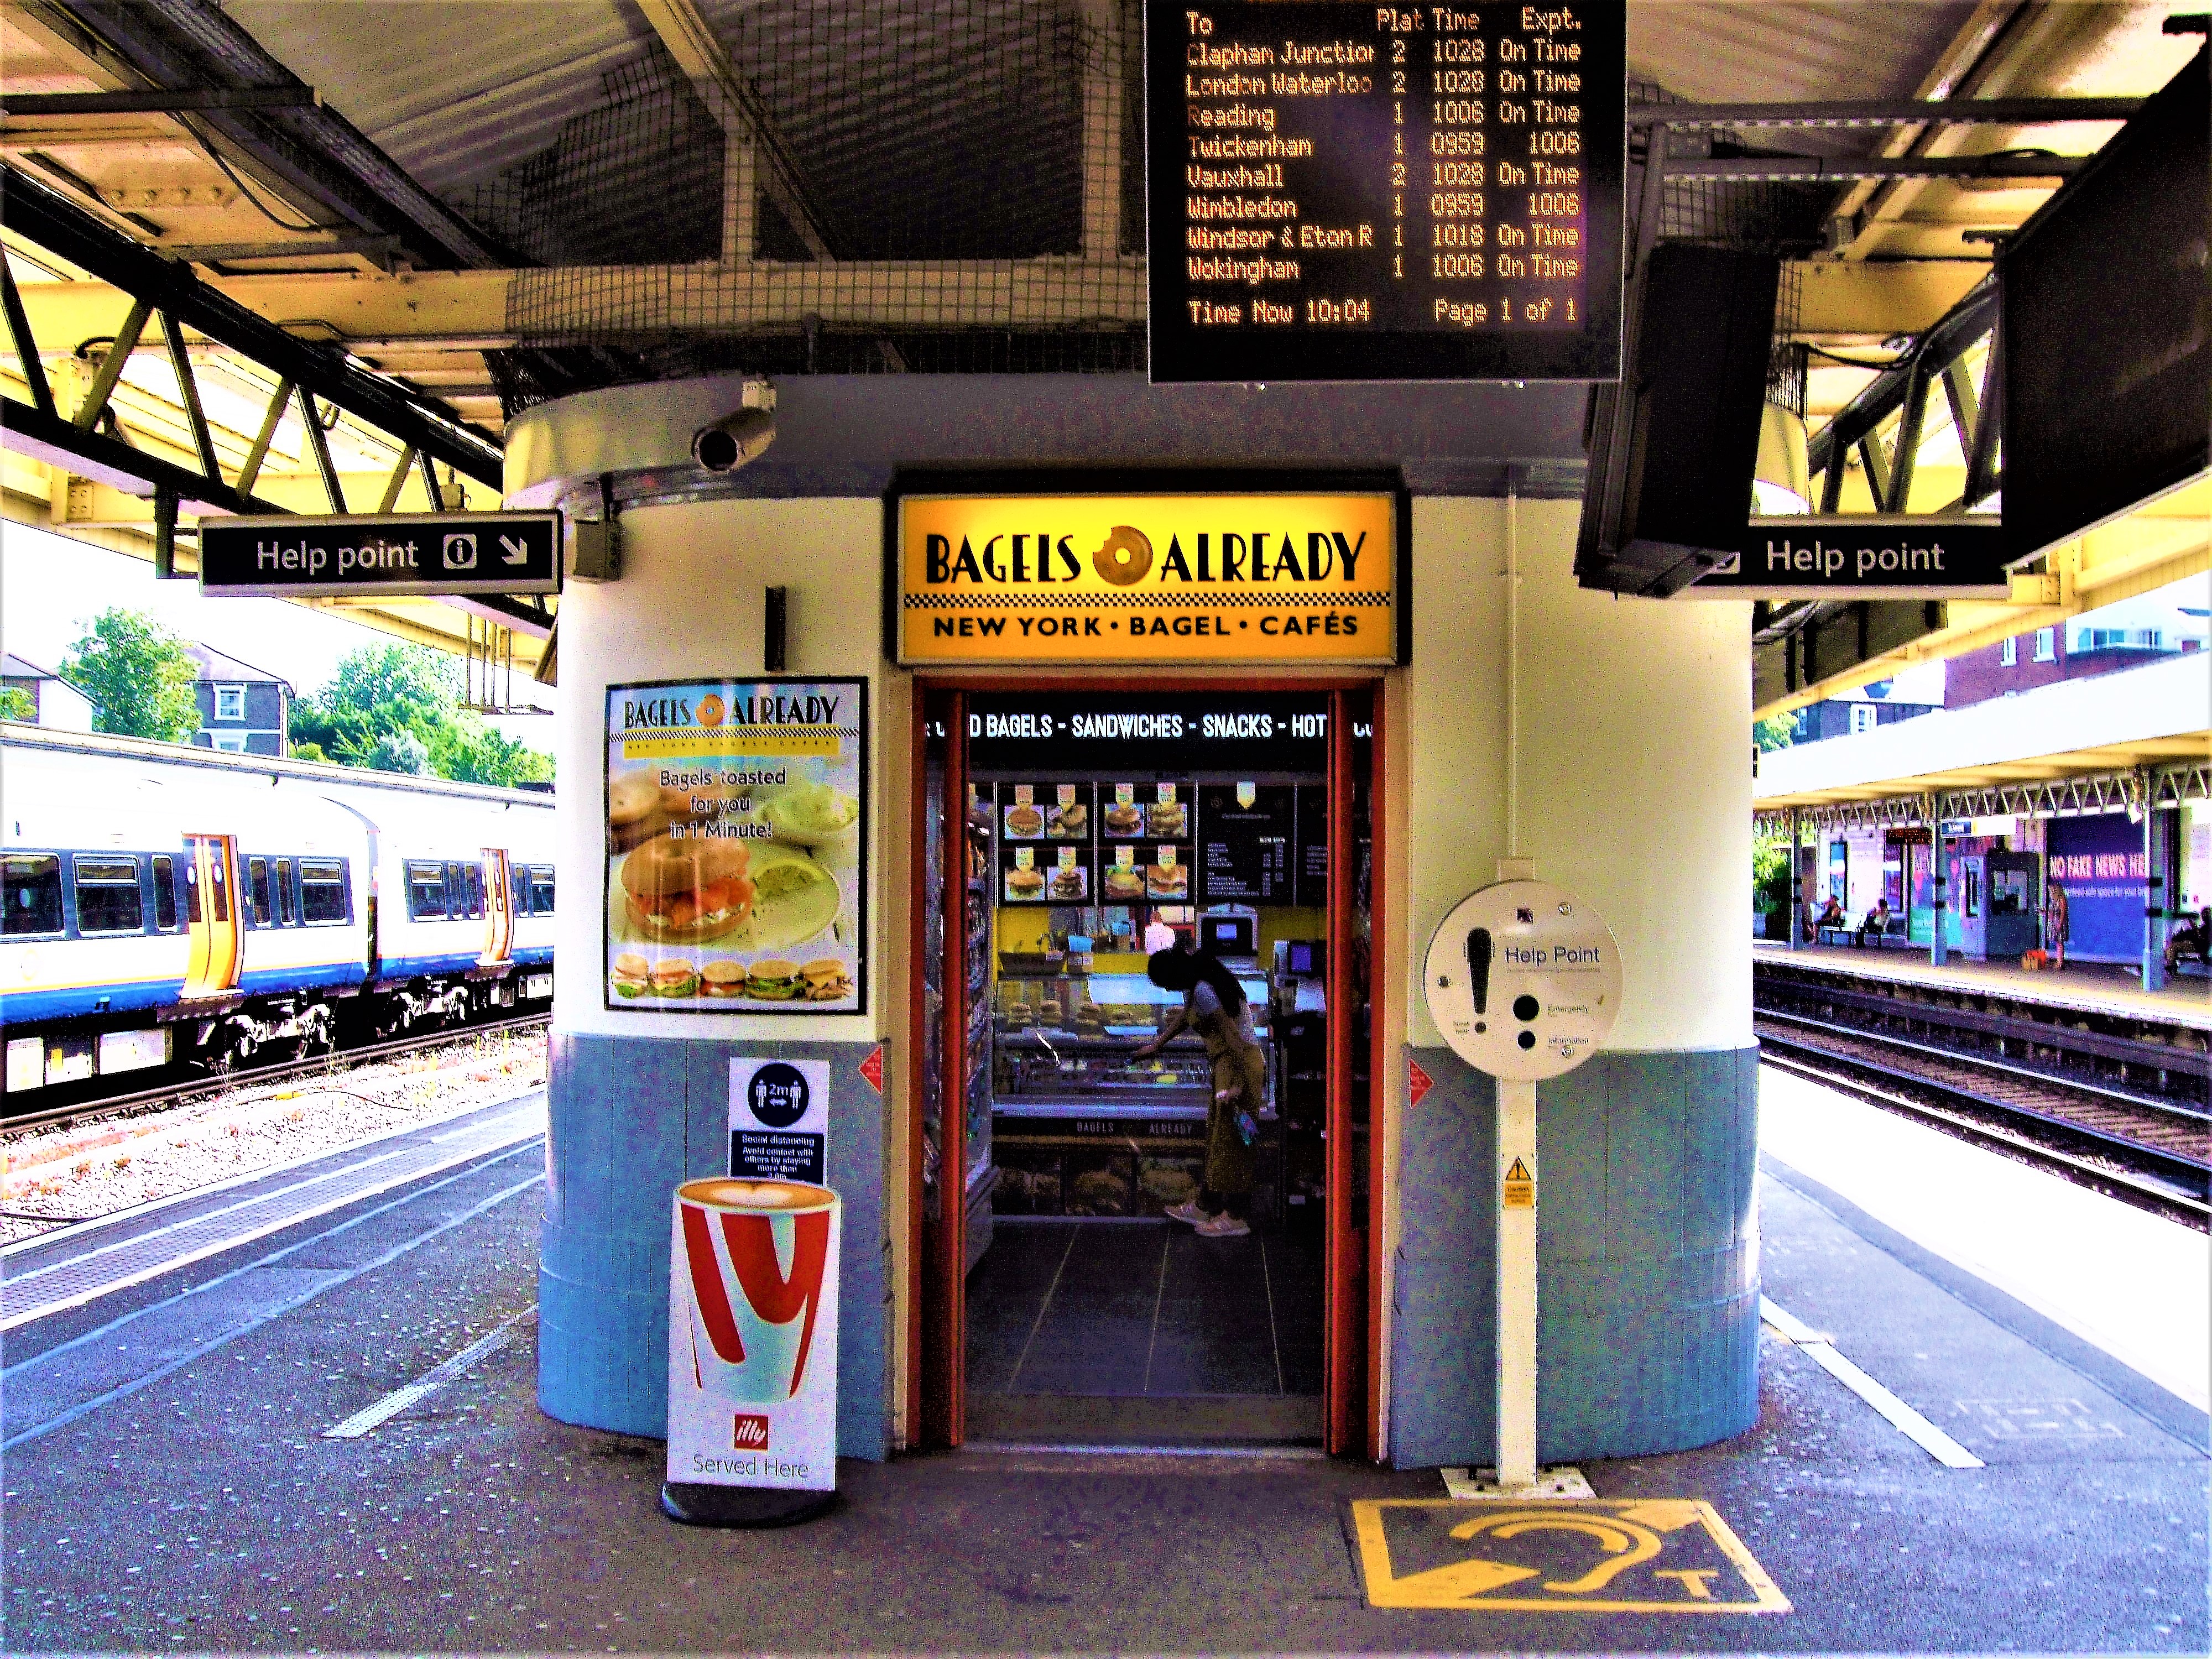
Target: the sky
(50, 587)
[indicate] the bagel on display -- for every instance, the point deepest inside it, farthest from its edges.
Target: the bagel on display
(687, 889)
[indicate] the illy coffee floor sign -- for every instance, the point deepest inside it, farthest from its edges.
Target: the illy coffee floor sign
(752, 1352)
(1524, 981)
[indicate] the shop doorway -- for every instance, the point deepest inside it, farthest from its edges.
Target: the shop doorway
(1064, 833)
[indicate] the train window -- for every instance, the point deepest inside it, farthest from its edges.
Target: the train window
(256, 891)
(426, 891)
(284, 892)
(107, 898)
(218, 897)
(165, 893)
(322, 890)
(35, 892)
(518, 889)
(541, 890)
(465, 882)
(193, 891)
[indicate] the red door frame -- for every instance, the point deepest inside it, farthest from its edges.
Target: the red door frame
(937, 1279)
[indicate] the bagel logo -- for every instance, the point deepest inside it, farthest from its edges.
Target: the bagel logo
(1124, 557)
(710, 710)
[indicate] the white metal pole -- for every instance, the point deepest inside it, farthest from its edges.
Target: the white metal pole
(1516, 1198)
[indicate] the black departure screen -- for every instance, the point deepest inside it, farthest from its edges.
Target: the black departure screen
(1381, 193)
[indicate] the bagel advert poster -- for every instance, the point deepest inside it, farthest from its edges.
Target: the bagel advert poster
(736, 814)
(1287, 577)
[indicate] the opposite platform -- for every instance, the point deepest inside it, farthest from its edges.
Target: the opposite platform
(2089, 988)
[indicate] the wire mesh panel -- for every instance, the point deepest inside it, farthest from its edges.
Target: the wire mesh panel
(891, 186)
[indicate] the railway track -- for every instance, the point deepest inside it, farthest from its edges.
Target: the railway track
(2154, 1152)
(331, 1064)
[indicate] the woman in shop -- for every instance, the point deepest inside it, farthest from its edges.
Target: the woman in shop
(1215, 1006)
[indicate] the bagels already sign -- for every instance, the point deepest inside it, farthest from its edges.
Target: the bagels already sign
(1288, 576)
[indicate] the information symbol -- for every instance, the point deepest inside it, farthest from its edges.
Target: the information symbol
(778, 1095)
(460, 552)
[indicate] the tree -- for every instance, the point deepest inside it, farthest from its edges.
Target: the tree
(399, 751)
(136, 673)
(1775, 732)
(309, 751)
(397, 708)
(15, 704)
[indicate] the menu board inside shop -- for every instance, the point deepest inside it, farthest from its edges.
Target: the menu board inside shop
(1246, 836)
(1312, 855)
(1384, 192)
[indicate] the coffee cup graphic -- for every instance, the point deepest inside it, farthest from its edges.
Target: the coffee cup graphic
(759, 1255)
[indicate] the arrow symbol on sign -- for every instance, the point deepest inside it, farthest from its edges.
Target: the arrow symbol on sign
(517, 551)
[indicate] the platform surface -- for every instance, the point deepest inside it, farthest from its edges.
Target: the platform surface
(2084, 987)
(204, 1509)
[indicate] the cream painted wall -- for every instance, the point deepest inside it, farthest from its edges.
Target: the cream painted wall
(690, 603)
(1635, 727)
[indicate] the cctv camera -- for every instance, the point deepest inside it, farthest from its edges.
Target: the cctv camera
(732, 442)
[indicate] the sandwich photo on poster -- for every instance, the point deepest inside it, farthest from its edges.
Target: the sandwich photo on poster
(736, 877)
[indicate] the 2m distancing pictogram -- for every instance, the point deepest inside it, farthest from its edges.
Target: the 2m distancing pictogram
(1575, 1555)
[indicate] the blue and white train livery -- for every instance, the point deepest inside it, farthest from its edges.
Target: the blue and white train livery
(165, 903)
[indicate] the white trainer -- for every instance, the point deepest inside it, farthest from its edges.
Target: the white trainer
(1224, 1225)
(1189, 1213)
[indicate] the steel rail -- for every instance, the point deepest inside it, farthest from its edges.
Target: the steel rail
(118, 1105)
(2147, 1177)
(2193, 1116)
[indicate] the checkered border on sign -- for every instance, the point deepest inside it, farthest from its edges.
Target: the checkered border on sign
(1132, 601)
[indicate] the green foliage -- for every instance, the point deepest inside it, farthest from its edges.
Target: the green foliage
(137, 674)
(396, 708)
(399, 751)
(1770, 871)
(1775, 732)
(308, 751)
(15, 704)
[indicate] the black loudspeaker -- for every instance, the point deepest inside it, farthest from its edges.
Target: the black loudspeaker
(1672, 450)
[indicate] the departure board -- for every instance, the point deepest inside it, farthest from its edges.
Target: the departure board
(1384, 192)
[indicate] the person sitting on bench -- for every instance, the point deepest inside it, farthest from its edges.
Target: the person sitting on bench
(1832, 915)
(2191, 940)
(1876, 922)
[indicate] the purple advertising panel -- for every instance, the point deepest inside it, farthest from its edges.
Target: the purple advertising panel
(2100, 862)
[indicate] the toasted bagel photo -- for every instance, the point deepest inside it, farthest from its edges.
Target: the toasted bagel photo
(635, 812)
(1124, 882)
(1024, 883)
(722, 978)
(1024, 822)
(687, 889)
(1124, 820)
(676, 978)
(773, 980)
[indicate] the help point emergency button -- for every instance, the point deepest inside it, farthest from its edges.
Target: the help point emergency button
(1523, 980)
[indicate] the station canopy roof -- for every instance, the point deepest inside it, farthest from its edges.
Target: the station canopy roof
(482, 204)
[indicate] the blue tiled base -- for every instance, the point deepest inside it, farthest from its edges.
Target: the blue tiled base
(1647, 1261)
(629, 1118)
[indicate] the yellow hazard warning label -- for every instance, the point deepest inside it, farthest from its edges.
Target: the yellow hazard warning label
(1520, 1189)
(1559, 1555)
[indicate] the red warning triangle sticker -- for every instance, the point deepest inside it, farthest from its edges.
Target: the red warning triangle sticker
(1519, 1172)
(1418, 1082)
(872, 1069)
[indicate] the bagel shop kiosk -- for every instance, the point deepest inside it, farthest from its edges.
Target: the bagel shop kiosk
(893, 751)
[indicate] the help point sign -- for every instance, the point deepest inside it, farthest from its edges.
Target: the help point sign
(752, 1334)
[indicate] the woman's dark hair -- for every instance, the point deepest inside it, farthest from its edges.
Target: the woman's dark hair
(1178, 968)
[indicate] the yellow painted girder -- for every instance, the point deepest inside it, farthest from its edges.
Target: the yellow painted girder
(2160, 541)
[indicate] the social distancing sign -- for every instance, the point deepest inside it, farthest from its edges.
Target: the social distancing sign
(1565, 1555)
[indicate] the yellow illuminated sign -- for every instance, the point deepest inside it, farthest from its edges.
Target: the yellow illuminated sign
(1285, 577)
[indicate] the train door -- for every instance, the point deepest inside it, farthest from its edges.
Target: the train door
(499, 906)
(211, 916)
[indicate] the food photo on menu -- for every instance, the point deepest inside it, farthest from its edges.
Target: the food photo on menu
(733, 825)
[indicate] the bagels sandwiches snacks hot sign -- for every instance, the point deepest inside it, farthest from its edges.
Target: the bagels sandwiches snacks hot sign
(734, 846)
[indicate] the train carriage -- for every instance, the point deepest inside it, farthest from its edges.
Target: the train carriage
(169, 904)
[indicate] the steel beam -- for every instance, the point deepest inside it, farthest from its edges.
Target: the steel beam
(156, 100)
(1887, 112)
(46, 220)
(46, 437)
